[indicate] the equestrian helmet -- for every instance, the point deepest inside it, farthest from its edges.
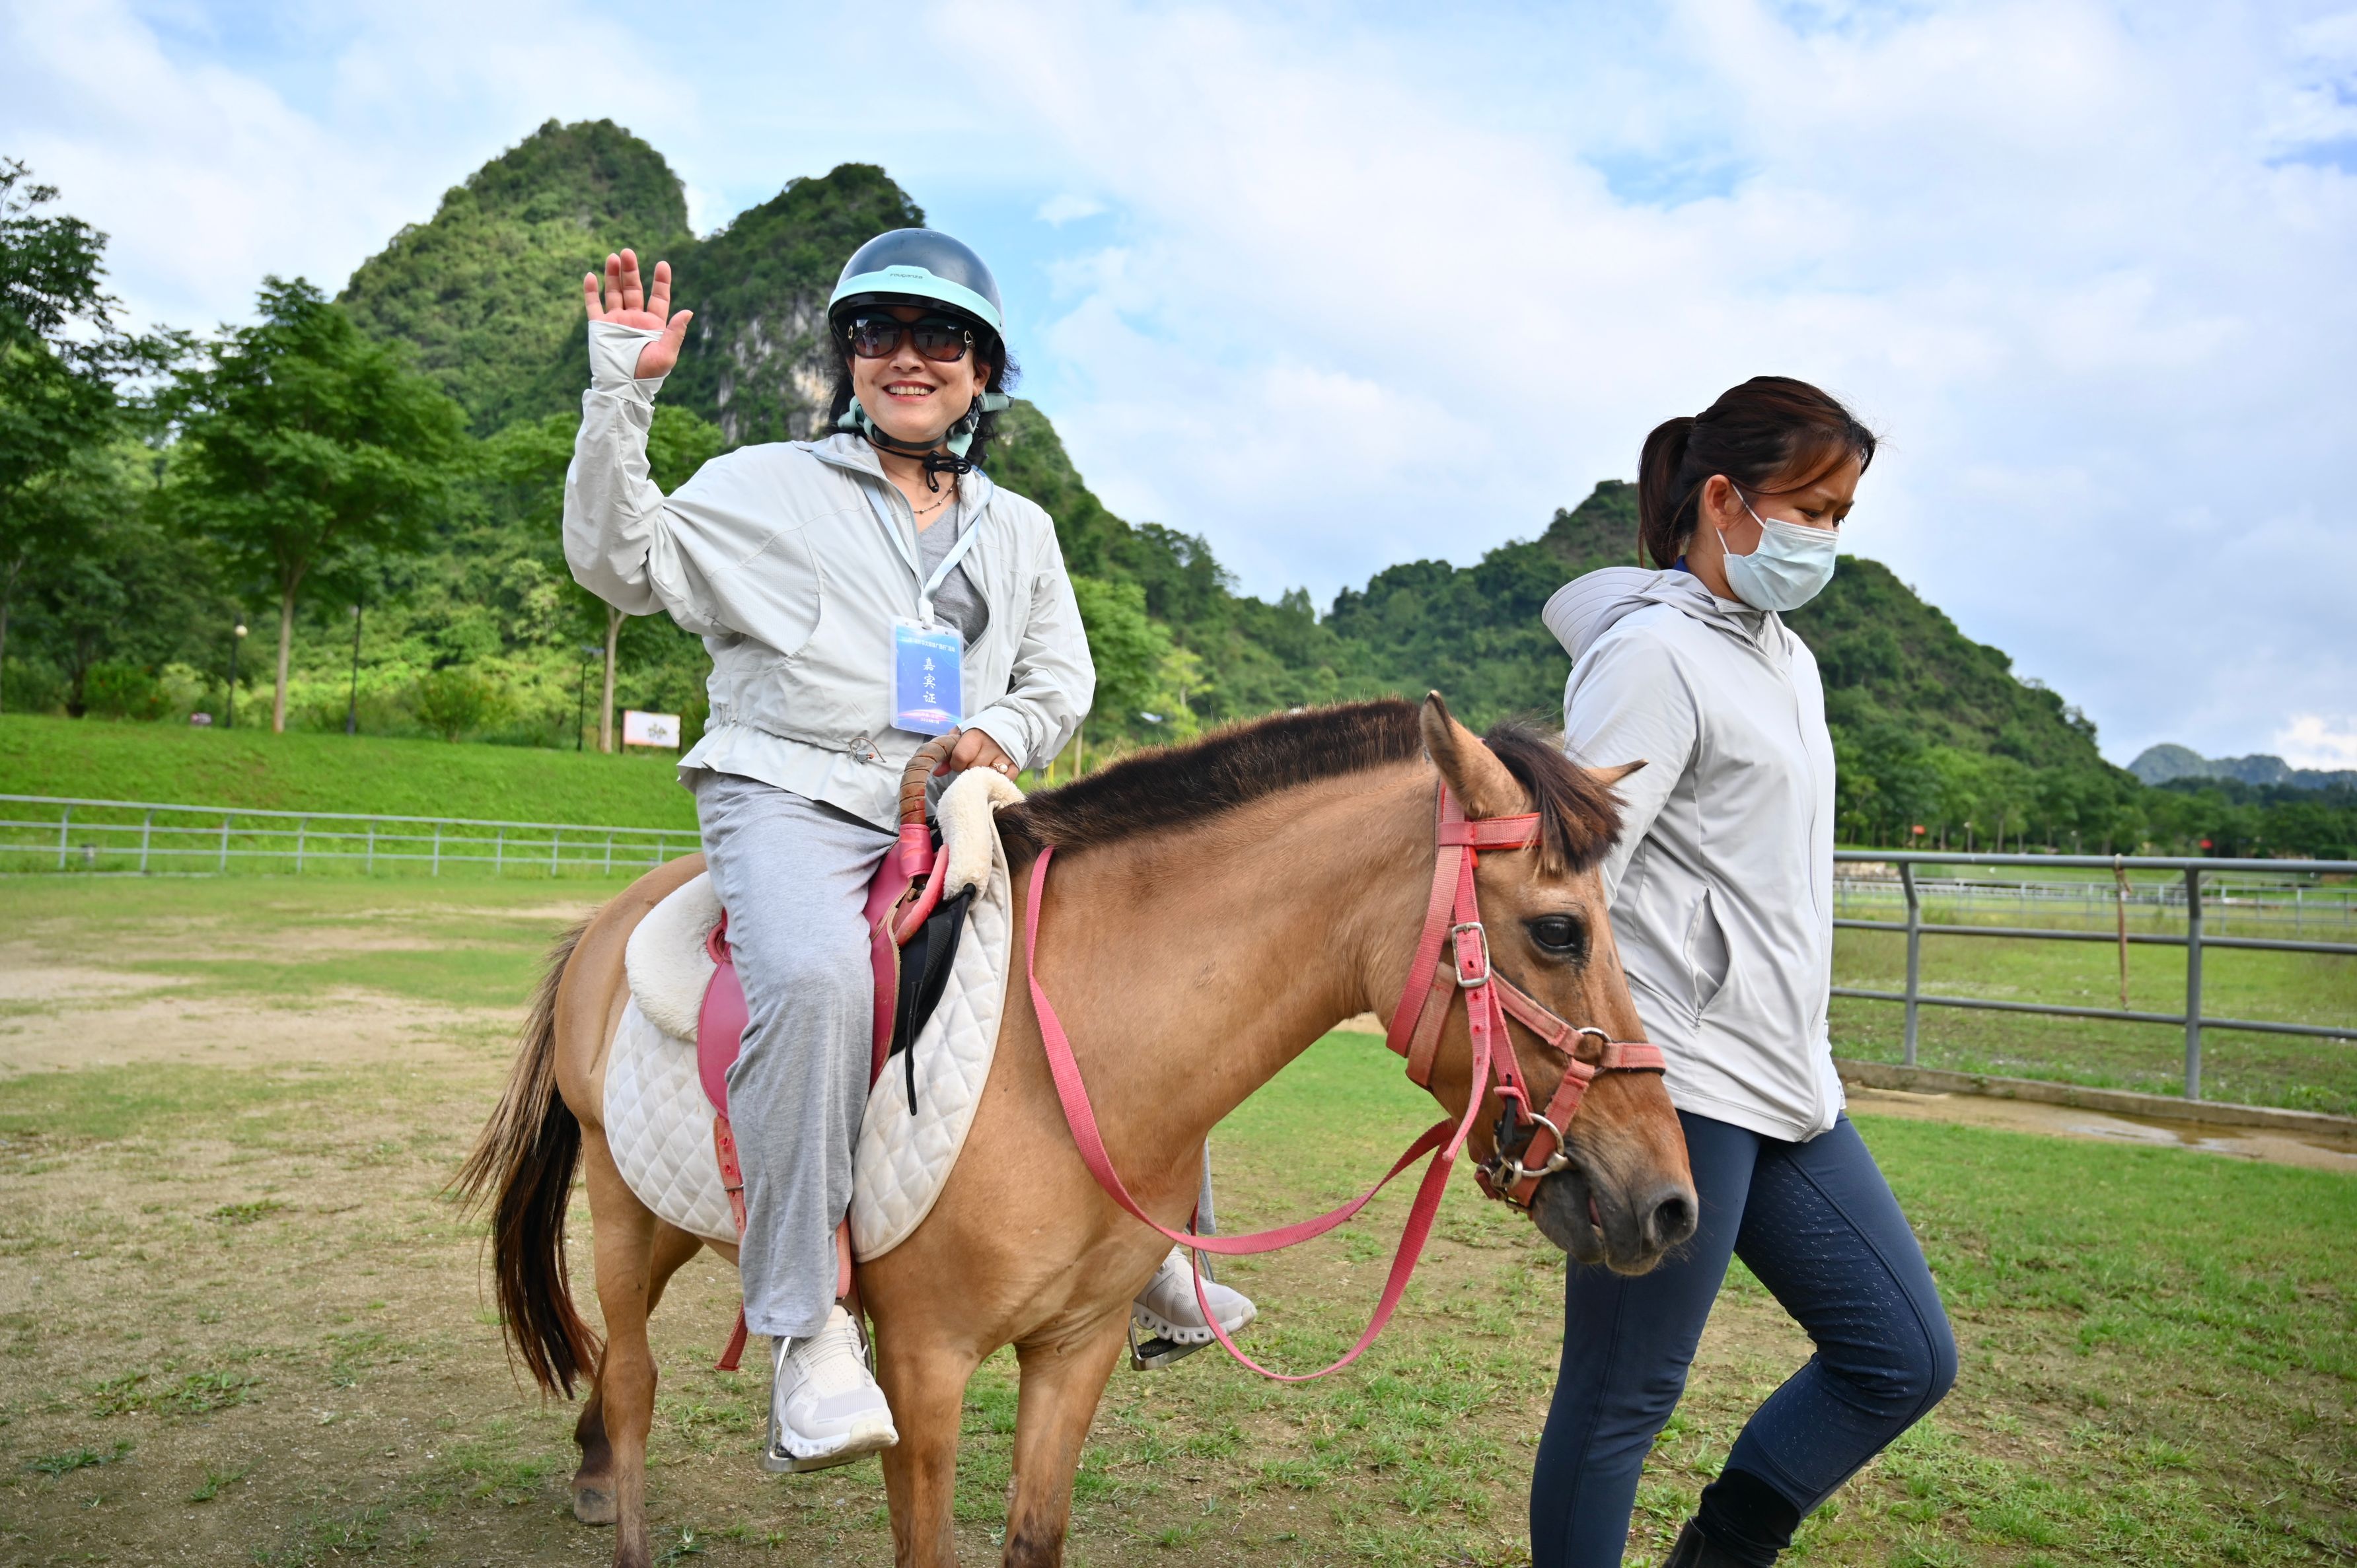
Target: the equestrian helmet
(919, 266)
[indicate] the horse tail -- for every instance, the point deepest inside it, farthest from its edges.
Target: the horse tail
(524, 1164)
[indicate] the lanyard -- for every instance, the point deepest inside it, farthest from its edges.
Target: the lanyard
(949, 563)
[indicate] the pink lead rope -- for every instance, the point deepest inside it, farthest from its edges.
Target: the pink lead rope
(1443, 1140)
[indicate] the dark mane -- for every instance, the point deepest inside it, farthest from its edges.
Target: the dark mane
(1171, 787)
(1579, 816)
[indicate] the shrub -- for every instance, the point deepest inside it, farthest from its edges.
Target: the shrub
(122, 691)
(31, 685)
(456, 701)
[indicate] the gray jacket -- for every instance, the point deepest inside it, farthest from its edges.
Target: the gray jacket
(778, 556)
(1721, 885)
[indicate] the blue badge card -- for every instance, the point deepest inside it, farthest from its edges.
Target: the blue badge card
(926, 689)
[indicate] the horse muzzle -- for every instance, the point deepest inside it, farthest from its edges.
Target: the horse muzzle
(1626, 1225)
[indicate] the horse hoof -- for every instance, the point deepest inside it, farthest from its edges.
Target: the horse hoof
(593, 1504)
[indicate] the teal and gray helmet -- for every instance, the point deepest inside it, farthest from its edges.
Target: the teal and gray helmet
(928, 268)
(919, 266)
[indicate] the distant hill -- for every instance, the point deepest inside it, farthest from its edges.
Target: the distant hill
(2160, 764)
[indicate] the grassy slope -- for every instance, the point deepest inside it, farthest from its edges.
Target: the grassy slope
(92, 759)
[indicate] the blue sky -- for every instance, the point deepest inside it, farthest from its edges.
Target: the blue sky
(1339, 285)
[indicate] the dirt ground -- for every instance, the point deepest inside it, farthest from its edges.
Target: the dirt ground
(239, 1324)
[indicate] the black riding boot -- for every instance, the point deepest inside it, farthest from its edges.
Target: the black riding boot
(1748, 1521)
(1694, 1549)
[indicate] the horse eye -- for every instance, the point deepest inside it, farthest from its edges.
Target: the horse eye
(1556, 933)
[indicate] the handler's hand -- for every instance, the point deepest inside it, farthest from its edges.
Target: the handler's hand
(627, 306)
(976, 749)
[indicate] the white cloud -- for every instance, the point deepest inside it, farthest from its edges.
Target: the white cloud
(1398, 289)
(2311, 740)
(1068, 208)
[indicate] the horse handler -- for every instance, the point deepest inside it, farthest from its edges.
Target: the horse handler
(857, 592)
(1721, 896)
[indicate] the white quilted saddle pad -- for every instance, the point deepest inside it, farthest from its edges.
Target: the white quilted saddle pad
(659, 1125)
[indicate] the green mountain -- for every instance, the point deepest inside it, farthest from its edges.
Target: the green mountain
(488, 289)
(757, 362)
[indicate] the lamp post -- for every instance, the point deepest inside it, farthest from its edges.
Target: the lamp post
(352, 713)
(581, 696)
(236, 637)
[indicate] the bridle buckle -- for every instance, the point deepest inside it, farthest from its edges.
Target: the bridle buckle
(1470, 980)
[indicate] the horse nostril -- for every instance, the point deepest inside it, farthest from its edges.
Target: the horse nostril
(1673, 1218)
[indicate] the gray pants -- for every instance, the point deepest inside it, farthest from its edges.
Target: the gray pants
(793, 876)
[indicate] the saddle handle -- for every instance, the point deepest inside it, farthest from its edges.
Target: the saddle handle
(916, 842)
(920, 772)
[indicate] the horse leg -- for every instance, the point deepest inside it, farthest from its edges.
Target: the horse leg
(593, 1484)
(1062, 1380)
(926, 1388)
(624, 1236)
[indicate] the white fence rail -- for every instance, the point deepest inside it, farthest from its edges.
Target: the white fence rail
(47, 832)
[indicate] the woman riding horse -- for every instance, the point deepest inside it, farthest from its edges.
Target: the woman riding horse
(857, 592)
(1721, 890)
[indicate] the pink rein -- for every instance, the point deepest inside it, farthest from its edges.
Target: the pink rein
(1443, 1140)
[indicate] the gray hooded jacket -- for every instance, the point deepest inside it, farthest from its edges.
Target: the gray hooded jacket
(784, 558)
(1721, 885)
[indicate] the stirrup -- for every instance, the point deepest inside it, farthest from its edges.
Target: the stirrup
(1153, 1355)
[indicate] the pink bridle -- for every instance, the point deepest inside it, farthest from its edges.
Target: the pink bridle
(1452, 917)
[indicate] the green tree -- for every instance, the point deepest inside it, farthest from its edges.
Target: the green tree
(527, 463)
(60, 356)
(1127, 647)
(304, 438)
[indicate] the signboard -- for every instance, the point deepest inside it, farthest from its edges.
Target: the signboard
(649, 729)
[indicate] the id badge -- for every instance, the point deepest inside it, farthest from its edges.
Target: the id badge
(927, 694)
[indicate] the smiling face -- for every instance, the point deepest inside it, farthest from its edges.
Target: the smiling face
(910, 398)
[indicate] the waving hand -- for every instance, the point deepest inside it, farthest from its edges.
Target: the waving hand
(626, 305)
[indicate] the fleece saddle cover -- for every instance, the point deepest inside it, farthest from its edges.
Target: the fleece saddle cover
(658, 1116)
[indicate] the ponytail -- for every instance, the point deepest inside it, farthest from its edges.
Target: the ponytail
(1769, 436)
(1664, 512)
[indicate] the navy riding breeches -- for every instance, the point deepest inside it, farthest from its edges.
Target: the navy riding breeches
(1818, 1225)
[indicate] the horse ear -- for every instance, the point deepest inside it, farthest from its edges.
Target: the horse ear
(1481, 784)
(1609, 777)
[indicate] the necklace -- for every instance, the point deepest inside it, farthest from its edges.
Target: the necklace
(939, 503)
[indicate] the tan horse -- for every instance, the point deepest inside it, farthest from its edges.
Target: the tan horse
(1214, 908)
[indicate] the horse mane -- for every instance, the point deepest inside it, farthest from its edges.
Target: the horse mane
(1170, 786)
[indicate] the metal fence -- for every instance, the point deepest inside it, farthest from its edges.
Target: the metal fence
(41, 832)
(2290, 900)
(44, 832)
(2191, 898)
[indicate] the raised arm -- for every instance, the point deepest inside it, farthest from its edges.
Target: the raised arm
(617, 538)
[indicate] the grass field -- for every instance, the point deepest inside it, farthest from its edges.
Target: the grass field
(96, 759)
(238, 1325)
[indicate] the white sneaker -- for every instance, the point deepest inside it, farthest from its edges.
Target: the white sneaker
(1166, 1308)
(825, 1406)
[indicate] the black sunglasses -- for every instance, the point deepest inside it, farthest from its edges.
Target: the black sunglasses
(937, 337)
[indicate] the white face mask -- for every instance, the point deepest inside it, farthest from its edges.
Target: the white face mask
(1788, 566)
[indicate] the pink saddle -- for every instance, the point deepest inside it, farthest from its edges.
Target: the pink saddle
(720, 1023)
